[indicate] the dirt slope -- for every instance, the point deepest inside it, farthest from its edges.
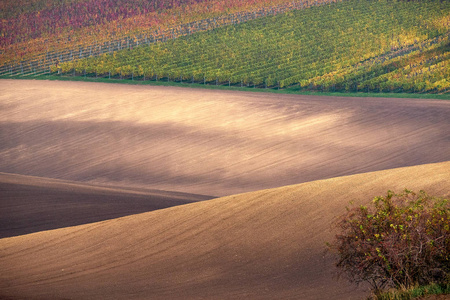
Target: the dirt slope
(29, 204)
(261, 245)
(209, 142)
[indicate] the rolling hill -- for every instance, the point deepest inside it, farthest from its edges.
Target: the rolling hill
(267, 244)
(333, 46)
(39, 33)
(346, 46)
(30, 204)
(103, 186)
(209, 142)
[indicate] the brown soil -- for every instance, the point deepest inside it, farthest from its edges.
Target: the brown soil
(30, 204)
(209, 142)
(267, 244)
(264, 244)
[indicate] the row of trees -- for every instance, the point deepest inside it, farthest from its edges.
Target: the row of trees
(316, 48)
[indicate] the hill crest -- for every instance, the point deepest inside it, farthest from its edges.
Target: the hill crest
(261, 245)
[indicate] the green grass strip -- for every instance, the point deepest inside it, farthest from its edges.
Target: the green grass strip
(291, 91)
(413, 293)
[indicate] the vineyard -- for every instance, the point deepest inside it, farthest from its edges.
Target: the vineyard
(377, 46)
(40, 32)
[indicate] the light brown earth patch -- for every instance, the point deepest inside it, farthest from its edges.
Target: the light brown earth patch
(209, 142)
(261, 245)
(266, 244)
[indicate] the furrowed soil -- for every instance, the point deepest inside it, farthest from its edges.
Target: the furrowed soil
(209, 142)
(30, 204)
(285, 166)
(267, 244)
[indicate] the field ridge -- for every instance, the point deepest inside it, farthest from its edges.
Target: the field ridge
(266, 244)
(31, 204)
(208, 141)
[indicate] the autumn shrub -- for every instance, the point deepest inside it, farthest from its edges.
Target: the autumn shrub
(399, 241)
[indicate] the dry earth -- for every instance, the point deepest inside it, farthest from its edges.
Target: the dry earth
(261, 245)
(136, 141)
(30, 204)
(209, 142)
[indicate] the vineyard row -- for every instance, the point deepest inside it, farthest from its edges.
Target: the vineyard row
(351, 45)
(41, 64)
(353, 82)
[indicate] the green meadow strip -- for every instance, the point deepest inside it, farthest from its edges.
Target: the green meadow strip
(291, 91)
